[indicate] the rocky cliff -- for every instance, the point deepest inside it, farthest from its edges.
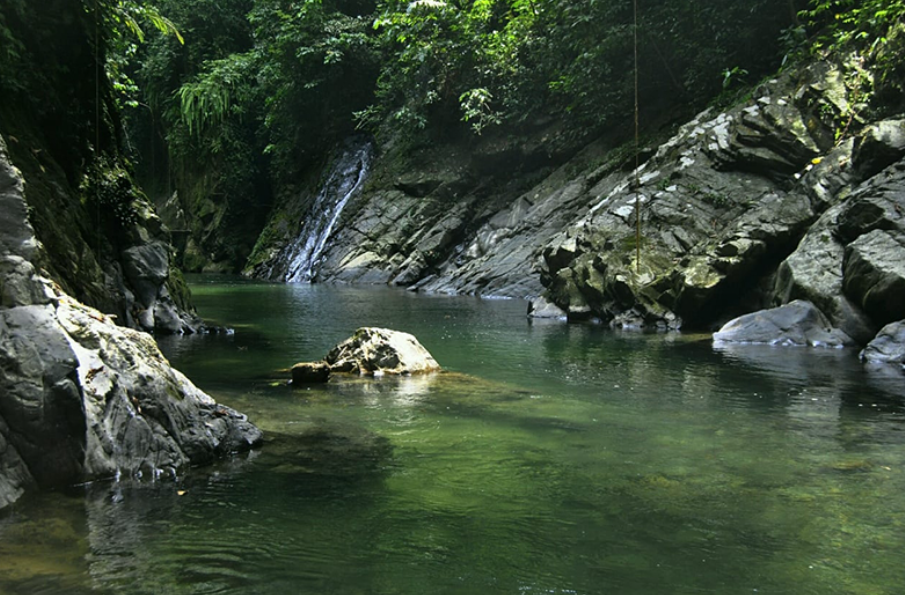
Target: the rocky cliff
(81, 397)
(796, 192)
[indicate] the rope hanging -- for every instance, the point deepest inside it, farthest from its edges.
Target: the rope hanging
(97, 132)
(637, 150)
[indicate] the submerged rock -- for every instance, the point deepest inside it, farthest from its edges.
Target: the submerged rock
(310, 373)
(376, 351)
(798, 323)
(888, 347)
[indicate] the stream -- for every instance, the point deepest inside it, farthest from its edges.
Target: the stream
(547, 459)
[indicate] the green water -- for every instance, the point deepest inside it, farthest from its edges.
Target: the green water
(551, 459)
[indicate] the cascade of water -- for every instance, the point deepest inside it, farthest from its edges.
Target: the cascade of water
(344, 180)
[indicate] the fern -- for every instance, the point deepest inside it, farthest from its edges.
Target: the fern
(208, 99)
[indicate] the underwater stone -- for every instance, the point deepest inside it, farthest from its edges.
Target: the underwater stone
(310, 373)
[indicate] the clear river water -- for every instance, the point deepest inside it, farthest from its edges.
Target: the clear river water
(547, 459)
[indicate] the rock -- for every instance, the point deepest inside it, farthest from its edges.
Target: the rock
(310, 373)
(850, 256)
(541, 308)
(740, 210)
(16, 235)
(874, 274)
(86, 399)
(878, 147)
(378, 351)
(798, 323)
(813, 272)
(80, 397)
(888, 347)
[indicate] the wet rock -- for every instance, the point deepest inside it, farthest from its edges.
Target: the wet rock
(310, 373)
(888, 347)
(798, 323)
(541, 308)
(376, 351)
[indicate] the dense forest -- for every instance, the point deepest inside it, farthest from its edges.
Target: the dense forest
(232, 102)
(261, 91)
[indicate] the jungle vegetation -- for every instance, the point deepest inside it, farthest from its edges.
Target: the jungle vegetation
(235, 98)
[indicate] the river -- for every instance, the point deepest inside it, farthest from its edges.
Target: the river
(549, 458)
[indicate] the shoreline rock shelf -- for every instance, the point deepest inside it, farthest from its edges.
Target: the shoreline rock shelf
(371, 351)
(80, 397)
(798, 323)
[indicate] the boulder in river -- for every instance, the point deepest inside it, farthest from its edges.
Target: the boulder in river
(310, 373)
(798, 323)
(888, 347)
(376, 351)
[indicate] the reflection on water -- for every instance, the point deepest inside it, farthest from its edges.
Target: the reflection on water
(548, 459)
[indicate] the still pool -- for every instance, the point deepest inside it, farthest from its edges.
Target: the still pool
(549, 458)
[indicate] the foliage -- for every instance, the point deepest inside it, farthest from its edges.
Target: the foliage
(122, 20)
(442, 57)
(208, 99)
(510, 61)
(110, 192)
(843, 23)
(11, 47)
(316, 65)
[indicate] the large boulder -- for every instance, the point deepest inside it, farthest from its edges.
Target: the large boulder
(874, 274)
(798, 323)
(850, 261)
(378, 351)
(881, 145)
(888, 347)
(310, 373)
(80, 397)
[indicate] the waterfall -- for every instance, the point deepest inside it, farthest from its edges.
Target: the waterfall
(343, 181)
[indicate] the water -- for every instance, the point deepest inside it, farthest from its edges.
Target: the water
(344, 179)
(550, 459)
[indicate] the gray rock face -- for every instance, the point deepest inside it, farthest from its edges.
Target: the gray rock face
(719, 209)
(739, 211)
(850, 261)
(798, 323)
(17, 238)
(80, 397)
(874, 274)
(888, 347)
(879, 146)
(120, 265)
(446, 221)
(713, 220)
(376, 351)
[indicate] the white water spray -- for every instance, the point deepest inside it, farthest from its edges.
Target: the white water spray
(344, 180)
